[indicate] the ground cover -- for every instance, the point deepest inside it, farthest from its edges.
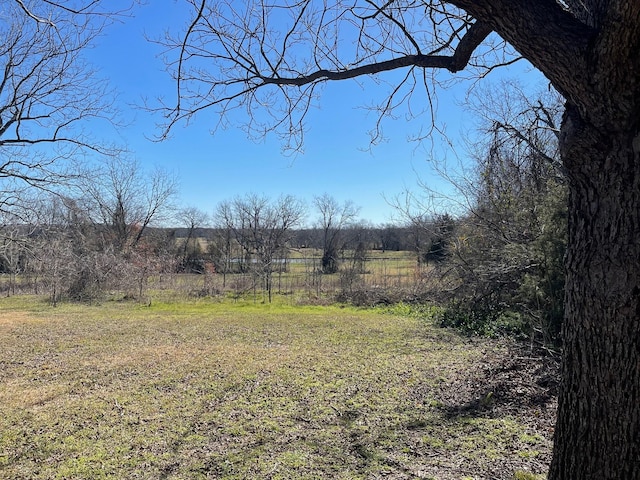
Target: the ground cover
(234, 390)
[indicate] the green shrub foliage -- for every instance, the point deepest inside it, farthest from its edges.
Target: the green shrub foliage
(508, 252)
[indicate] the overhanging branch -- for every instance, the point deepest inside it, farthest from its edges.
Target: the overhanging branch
(454, 63)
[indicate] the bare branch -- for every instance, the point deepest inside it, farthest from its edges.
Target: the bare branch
(33, 16)
(455, 63)
(267, 57)
(47, 91)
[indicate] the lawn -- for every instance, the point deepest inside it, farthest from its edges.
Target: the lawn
(206, 389)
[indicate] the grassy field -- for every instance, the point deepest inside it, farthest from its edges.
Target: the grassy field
(205, 389)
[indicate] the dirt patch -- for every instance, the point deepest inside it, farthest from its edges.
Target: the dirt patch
(511, 383)
(519, 384)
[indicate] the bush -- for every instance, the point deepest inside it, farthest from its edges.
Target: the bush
(486, 321)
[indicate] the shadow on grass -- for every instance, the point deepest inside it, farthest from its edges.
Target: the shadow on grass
(515, 384)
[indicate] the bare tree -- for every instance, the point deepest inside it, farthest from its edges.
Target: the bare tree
(223, 246)
(63, 252)
(333, 218)
(269, 58)
(262, 228)
(15, 248)
(192, 218)
(124, 199)
(391, 238)
(56, 247)
(48, 93)
(51, 100)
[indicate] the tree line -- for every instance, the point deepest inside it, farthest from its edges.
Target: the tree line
(115, 227)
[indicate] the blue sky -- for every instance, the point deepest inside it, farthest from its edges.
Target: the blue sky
(212, 168)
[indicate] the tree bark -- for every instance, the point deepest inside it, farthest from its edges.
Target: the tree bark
(598, 428)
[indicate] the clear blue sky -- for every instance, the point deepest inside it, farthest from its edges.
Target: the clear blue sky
(336, 159)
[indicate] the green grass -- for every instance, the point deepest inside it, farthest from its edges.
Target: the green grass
(389, 269)
(211, 389)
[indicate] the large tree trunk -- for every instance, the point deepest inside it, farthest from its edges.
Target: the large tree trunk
(598, 428)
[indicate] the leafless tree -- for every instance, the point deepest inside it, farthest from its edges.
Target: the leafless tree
(223, 246)
(333, 218)
(262, 228)
(124, 199)
(50, 98)
(61, 247)
(192, 218)
(269, 59)
(14, 249)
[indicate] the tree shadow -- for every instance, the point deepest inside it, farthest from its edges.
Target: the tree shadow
(518, 383)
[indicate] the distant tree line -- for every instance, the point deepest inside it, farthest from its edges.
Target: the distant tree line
(493, 261)
(114, 229)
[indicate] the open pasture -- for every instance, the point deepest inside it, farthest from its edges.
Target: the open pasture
(205, 389)
(300, 275)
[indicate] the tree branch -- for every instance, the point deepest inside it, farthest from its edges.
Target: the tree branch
(454, 63)
(30, 14)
